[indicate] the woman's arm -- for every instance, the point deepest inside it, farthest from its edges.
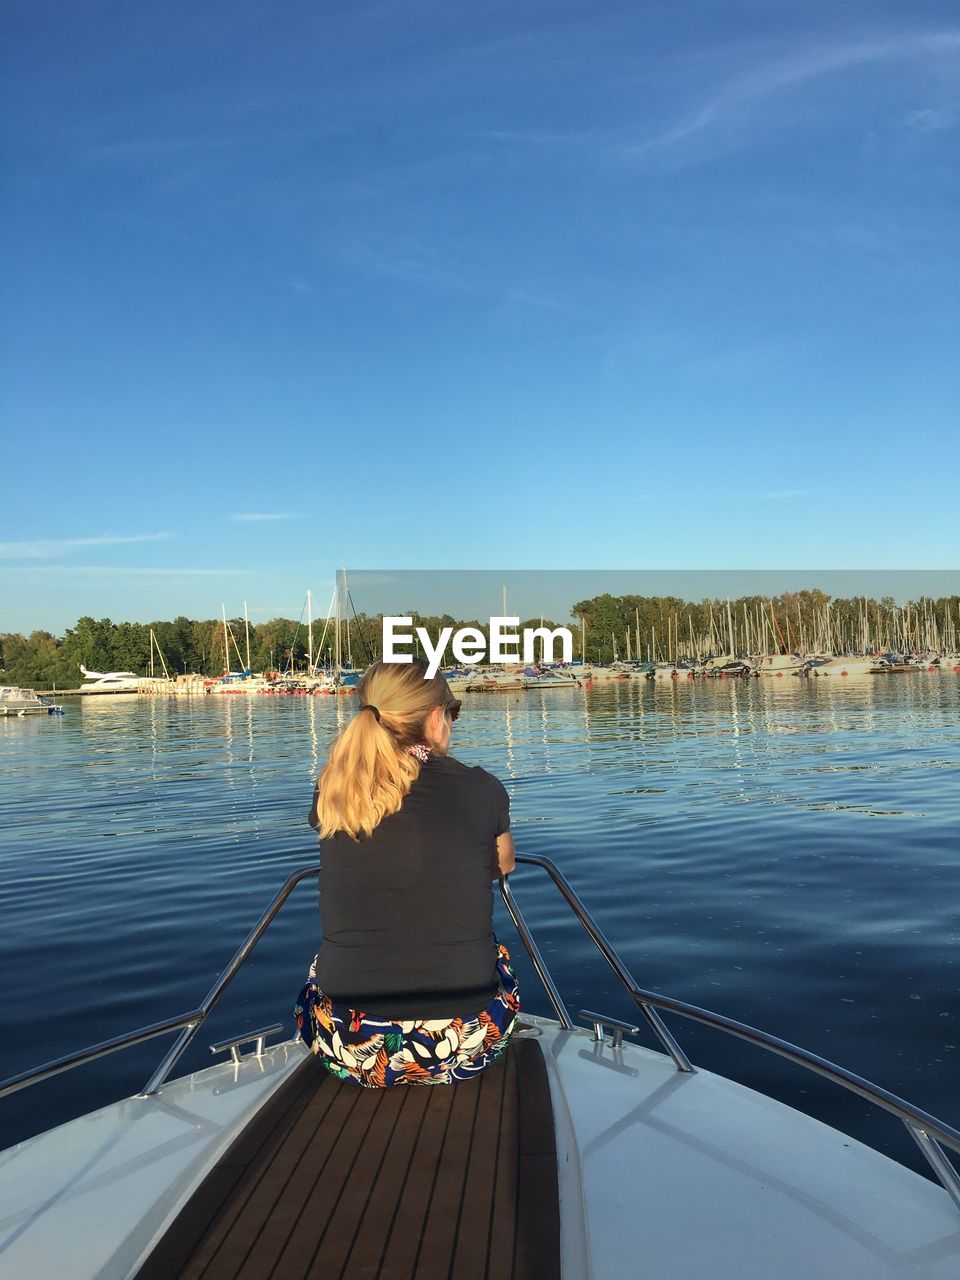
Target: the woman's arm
(504, 859)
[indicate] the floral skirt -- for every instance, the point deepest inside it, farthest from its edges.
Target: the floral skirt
(377, 1054)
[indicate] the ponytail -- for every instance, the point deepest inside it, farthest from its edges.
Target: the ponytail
(369, 771)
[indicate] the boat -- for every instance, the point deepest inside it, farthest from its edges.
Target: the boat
(614, 671)
(540, 676)
(495, 680)
(642, 670)
(779, 664)
(844, 668)
(235, 682)
(728, 668)
(458, 678)
(26, 702)
(942, 662)
(891, 663)
(581, 1154)
(109, 681)
(682, 670)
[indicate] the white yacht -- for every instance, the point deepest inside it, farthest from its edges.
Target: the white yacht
(579, 1155)
(105, 681)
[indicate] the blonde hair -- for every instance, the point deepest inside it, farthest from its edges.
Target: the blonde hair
(369, 770)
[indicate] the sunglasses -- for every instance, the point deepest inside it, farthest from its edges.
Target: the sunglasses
(452, 709)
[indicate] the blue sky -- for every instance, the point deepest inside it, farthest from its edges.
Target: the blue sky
(416, 285)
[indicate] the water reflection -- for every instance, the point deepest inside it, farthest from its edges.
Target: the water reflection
(785, 851)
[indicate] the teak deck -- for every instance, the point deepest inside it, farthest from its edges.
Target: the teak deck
(447, 1182)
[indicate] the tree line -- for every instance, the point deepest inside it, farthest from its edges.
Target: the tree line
(605, 627)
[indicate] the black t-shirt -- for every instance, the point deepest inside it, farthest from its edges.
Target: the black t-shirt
(407, 912)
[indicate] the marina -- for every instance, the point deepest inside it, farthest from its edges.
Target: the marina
(513, 678)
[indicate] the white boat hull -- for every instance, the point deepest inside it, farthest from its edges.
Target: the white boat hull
(701, 1178)
(845, 668)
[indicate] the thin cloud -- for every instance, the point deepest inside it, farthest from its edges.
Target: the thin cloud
(43, 549)
(537, 137)
(787, 73)
(771, 495)
(420, 264)
(762, 495)
(245, 517)
(118, 570)
(662, 495)
(145, 147)
(929, 120)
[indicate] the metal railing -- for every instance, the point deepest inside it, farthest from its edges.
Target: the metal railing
(926, 1130)
(187, 1023)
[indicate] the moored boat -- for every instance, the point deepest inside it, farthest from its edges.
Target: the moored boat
(682, 670)
(777, 665)
(729, 668)
(602, 674)
(642, 670)
(545, 677)
(845, 667)
(495, 680)
(15, 701)
(108, 681)
(459, 678)
(941, 662)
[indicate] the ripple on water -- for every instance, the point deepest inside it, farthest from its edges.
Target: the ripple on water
(785, 852)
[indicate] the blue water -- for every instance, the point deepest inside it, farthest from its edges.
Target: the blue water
(784, 852)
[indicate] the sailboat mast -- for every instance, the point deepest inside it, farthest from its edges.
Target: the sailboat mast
(337, 645)
(346, 619)
(730, 627)
(226, 641)
(246, 628)
(309, 634)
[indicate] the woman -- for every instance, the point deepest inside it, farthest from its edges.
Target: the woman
(410, 986)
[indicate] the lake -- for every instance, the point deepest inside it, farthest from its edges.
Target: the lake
(784, 852)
